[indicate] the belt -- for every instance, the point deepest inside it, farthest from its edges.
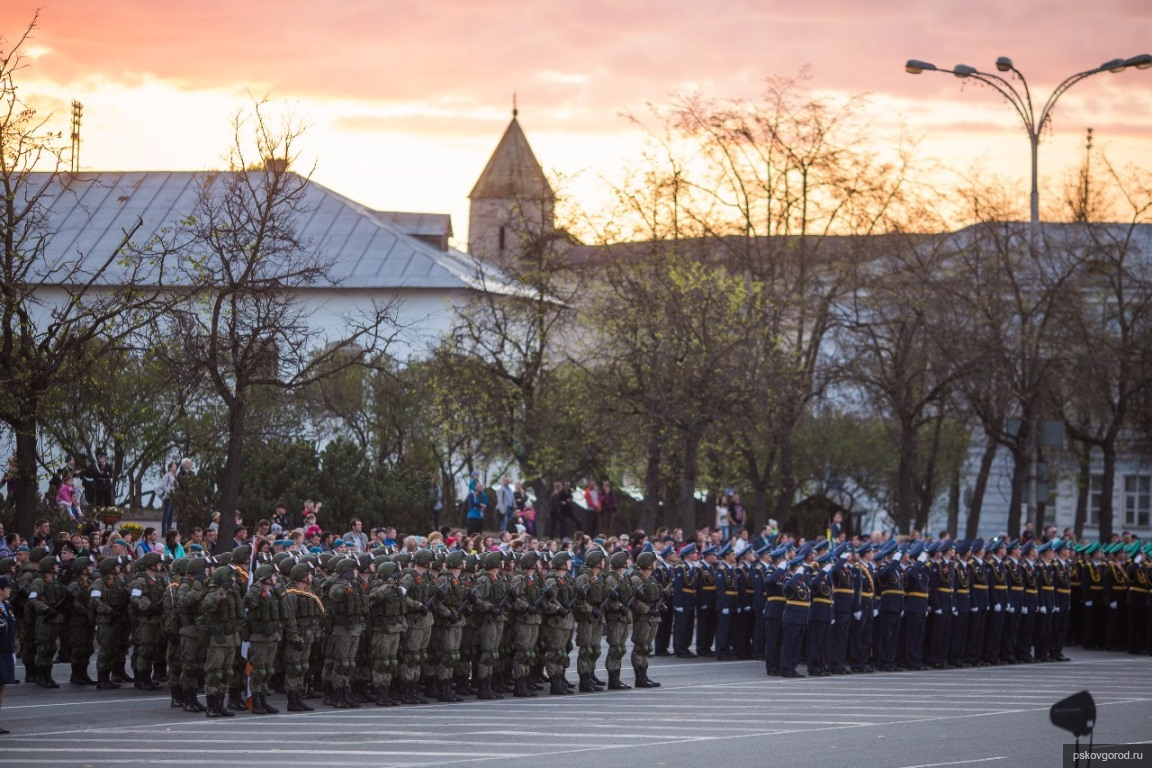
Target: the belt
(1136, 589)
(733, 594)
(1030, 591)
(688, 591)
(1016, 589)
(777, 599)
(916, 594)
(822, 600)
(709, 589)
(944, 589)
(961, 591)
(1100, 589)
(1047, 589)
(892, 592)
(1064, 591)
(979, 586)
(800, 603)
(1001, 586)
(842, 591)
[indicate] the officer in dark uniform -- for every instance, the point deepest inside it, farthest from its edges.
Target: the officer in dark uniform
(1095, 613)
(1030, 603)
(890, 582)
(941, 601)
(845, 602)
(706, 602)
(775, 576)
(997, 600)
(1044, 639)
(1062, 568)
(727, 601)
(685, 583)
(663, 576)
(860, 636)
(798, 602)
(1014, 577)
(743, 627)
(916, 585)
(820, 616)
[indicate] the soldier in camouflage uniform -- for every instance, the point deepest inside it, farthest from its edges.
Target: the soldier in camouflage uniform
(488, 593)
(556, 632)
(419, 589)
(591, 592)
(109, 598)
(222, 614)
(618, 618)
(263, 614)
(470, 637)
(302, 613)
(170, 627)
(80, 621)
(362, 670)
(192, 632)
(386, 619)
(646, 614)
(528, 591)
(146, 597)
(450, 625)
(27, 573)
(46, 599)
(347, 607)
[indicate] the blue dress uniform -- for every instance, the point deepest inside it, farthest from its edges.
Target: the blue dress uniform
(978, 612)
(961, 607)
(744, 626)
(916, 580)
(997, 601)
(860, 637)
(663, 576)
(706, 603)
(942, 602)
(1095, 618)
(1029, 605)
(1045, 639)
(756, 574)
(727, 602)
(1014, 576)
(820, 618)
(845, 600)
(685, 580)
(890, 580)
(794, 620)
(1063, 612)
(775, 578)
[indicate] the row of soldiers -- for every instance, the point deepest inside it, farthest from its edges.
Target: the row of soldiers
(373, 627)
(910, 605)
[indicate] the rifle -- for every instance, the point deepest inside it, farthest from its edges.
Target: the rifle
(432, 600)
(579, 593)
(612, 594)
(466, 606)
(540, 598)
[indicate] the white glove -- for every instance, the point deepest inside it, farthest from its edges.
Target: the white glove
(898, 557)
(901, 614)
(1043, 609)
(1024, 610)
(875, 612)
(679, 610)
(1056, 609)
(1139, 558)
(955, 612)
(1011, 609)
(827, 568)
(939, 612)
(857, 614)
(724, 612)
(923, 557)
(1112, 605)
(832, 622)
(926, 612)
(974, 610)
(999, 608)
(1087, 603)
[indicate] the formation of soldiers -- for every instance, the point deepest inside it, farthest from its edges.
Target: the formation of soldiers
(910, 606)
(399, 628)
(373, 627)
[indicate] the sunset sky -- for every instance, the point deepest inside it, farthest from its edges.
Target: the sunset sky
(405, 100)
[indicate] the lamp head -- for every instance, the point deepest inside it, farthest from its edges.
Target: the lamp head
(963, 70)
(915, 66)
(1114, 66)
(1004, 64)
(1143, 61)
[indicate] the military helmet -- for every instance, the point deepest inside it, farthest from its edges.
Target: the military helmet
(300, 572)
(38, 554)
(180, 566)
(402, 559)
(196, 566)
(222, 577)
(264, 572)
(646, 560)
(454, 559)
(79, 564)
(594, 558)
(285, 565)
(345, 566)
(47, 564)
(423, 557)
(242, 555)
(620, 560)
(366, 561)
(560, 560)
(224, 558)
(493, 560)
(109, 564)
(6, 565)
(150, 560)
(387, 569)
(280, 557)
(528, 560)
(379, 561)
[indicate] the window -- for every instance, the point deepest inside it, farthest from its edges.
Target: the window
(1137, 500)
(1095, 499)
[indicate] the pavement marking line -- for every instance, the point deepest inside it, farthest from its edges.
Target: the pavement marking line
(957, 762)
(326, 752)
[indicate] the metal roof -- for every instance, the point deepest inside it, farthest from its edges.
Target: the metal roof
(88, 214)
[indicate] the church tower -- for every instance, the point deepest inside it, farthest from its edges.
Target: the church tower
(512, 203)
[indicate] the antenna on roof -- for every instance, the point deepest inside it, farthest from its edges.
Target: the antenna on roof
(77, 113)
(515, 111)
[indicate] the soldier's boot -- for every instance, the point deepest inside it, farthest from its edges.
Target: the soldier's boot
(236, 700)
(445, 693)
(557, 687)
(353, 694)
(352, 703)
(520, 689)
(538, 677)
(532, 684)
(45, 677)
(80, 675)
(486, 692)
(380, 696)
(144, 682)
(564, 679)
(213, 708)
(224, 711)
(122, 676)
(104, 681)
(268, 707)
(431, 687)
(643, 681)
(177, 701)
(312, 689)
(160, 672)
(31, 673)
(586, 684)
(296, 702)
(417, 692)
(334, 697)
(462, 688)
(329, 700)
(191, 703)
(258, 707)
(597, 680)
(615, 683)
(496, 682)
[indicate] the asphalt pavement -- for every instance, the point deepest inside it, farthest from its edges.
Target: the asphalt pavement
(707, 713)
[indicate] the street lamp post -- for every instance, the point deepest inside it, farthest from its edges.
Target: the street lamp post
(1020, 97)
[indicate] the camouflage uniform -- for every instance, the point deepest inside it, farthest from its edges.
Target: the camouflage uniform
(528, 590)
(146, 597)
(192, 632)
(222, 614)
(618, 618)
(646, 615)
(556, 631)
(109, 597)
(347, 607)
(386, 619)
(419, 588)
(591, 591)
(80, 621)
(302, 613)
(46, 599)
(488, 594)
(450, 626)
(264, 615)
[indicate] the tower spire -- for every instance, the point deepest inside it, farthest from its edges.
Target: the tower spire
(515, 111)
